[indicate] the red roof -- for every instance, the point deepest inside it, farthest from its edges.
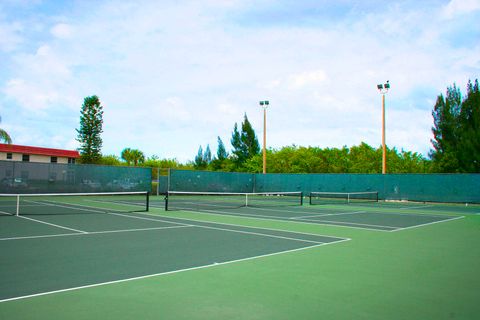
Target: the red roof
(39, 151)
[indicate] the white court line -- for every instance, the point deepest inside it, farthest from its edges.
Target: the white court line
(327, 214)
(67, 205)
(75, 206)
(275, 210)
(418, 214)
(170, 272)
(236, 225)
(92, 233)
(426, 224)
(346, 223)
(415, 207)
(280, 218)
(260, 234)
(141, 229)
(53, 225)
(143, 218)
(254, 233)
(44, 236)
(229, 213)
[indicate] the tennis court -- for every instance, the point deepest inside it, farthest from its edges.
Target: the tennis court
(70, 242)
(291, 206)
(99, 256)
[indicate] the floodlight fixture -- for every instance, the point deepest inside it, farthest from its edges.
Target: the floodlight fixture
(383, 88)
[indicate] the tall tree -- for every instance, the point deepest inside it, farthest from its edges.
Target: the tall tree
(446, 130)
(469, 141)
(91, 122)
(220, 161)
(221, 152)
(245, 143)
(199, 162)
(456, 146)
(207, 156)
(4, 135)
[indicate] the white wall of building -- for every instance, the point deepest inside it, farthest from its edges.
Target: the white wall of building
(33, 158)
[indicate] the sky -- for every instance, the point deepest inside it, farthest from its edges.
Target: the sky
(175, 75)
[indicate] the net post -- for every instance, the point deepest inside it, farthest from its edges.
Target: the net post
(301, 198)
(147, 207)
(246, 199)
(18, 205)
(166, 199)
(310, 198)
(348, 197)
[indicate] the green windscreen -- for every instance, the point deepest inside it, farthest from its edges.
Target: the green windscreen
(410, 187)
(211, 181)
(461, 188)
(34, 177)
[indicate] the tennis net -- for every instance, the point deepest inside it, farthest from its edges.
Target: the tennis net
(198, 201)
(342, 197)
(73, 203)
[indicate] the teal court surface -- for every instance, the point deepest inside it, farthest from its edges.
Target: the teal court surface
(382, 216)
(45, 253)
(85, 258)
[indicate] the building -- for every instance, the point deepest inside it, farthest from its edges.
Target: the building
(12, 152)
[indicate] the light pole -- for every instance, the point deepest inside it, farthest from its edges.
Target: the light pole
(264, 105)
(383, 88)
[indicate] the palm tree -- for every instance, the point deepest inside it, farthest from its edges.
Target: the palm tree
(132, 155)
(126, 155)
(4, 135)
(137, 156)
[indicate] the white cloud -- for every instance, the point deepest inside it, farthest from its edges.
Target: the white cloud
(10, 37)
(308, 78)
(61, 31)
(459, 7)
(29, 96)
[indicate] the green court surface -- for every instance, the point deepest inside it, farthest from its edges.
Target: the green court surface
(356, 261)
(380, 216)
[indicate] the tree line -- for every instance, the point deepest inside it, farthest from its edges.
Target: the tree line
(456, 130)
(455, 142)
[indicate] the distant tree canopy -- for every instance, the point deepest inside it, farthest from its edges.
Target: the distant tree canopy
(245, 143)
(200, 162)
(91, 122)
(357, 159)
(363, 158)
(134, 156)
(456, 131)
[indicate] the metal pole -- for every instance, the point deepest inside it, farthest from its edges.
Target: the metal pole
(264, 140)
(264, 105)
(158, 181)
(384, 154)
(383, 88)
(17, 213)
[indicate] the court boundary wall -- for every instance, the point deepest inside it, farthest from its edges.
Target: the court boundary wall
(448, 188)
